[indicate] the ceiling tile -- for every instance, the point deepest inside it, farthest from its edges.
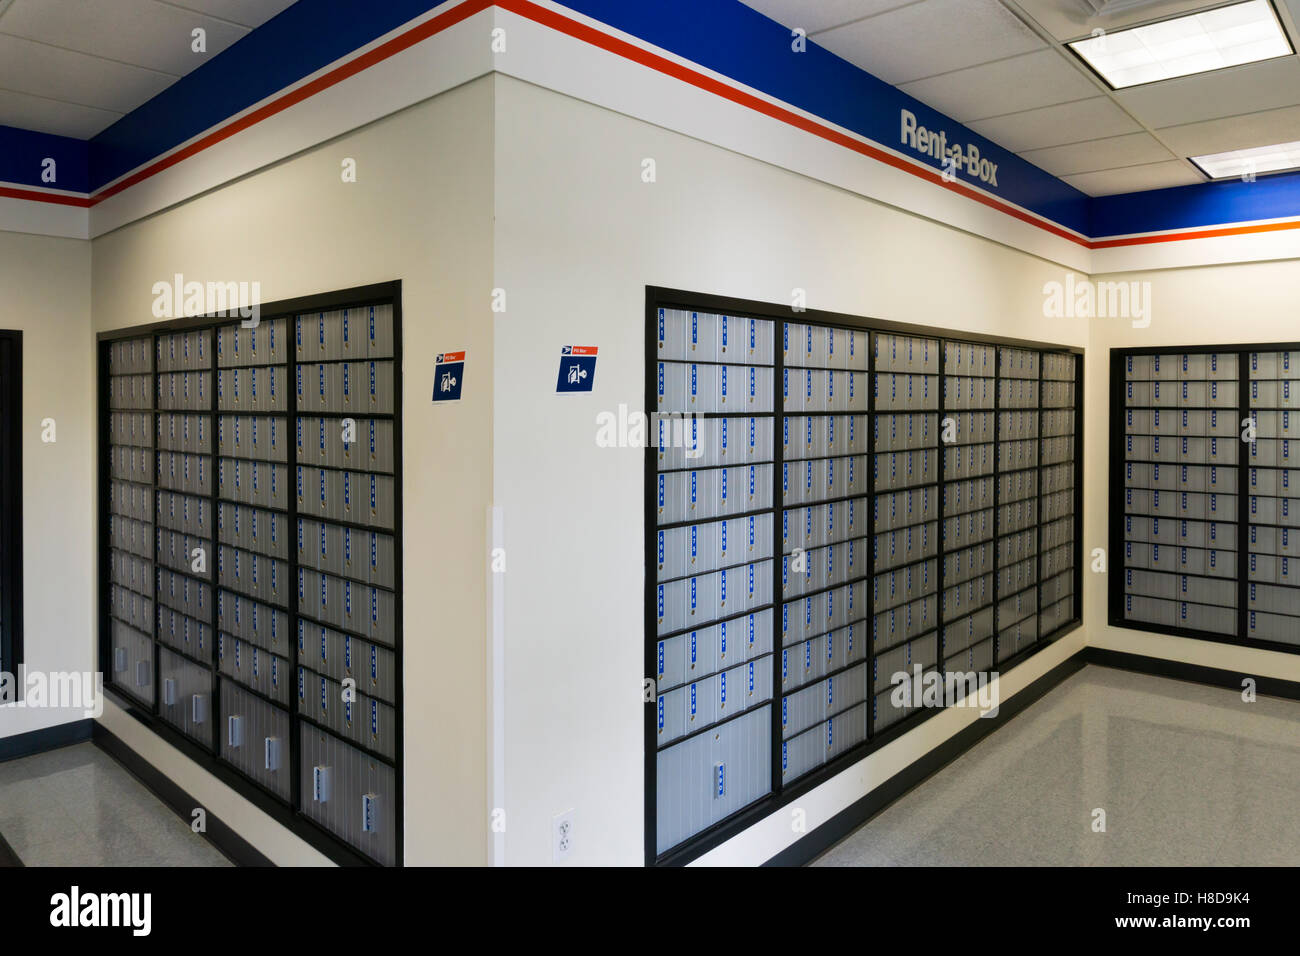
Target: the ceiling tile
(1073, 19)
(823, 14)
(1135, 149)
(1041, 78)
(249, 13)
(40, 70)
(142, 32)
(1191, 99)
(52, 116)
(1076, 122)
(931, 37)
(1109, 182)
(1234, 132)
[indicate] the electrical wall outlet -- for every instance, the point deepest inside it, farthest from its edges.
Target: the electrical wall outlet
(562, 837)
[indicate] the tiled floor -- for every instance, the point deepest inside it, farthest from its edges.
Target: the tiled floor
(78, 807)
(1186, 775)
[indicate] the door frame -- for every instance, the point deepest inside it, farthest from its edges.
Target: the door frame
(11, 505)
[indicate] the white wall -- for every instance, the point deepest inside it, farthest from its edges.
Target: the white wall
(46, 283)
(1208, 305)
(579, 237)
(419, 212)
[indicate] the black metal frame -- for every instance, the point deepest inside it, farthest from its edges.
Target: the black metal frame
(286, 813)
(1115, 524)
(780, 796)
(11, 505)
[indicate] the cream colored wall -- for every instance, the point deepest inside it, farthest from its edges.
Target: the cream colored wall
(579, 237)
(46, 295)
(420, 212)
(1209, 305)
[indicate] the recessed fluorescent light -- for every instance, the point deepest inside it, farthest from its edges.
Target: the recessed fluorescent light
(1197, 43)
(1245, 162)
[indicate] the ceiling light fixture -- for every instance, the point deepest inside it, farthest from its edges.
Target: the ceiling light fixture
(1238, 163)
(1196, 43)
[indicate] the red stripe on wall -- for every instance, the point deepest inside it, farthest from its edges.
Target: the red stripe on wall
(382, 52)
(629, 51)
(8, 192)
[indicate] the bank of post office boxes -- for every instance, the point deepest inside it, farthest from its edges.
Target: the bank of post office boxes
(1019, 393)
(709, 493)
(132, 659)
(184, 350)
(254, 575)
(350, 793)
(262, 344)
(368, 611)
(189, 514)
(252, 482)
(1058, 366)
(253, 734)
(353, 496)
(182, 593)
(254, 667)
(184, 391)
(705, 778)
(131, 356)
(345, 387)
(368, 556)
(905, 584)
(184, 433)
(897, 509)
(355, 716)
(905, 392)
(131, 392)
(342, 656)
(194, 413)
(252, 389)
(686, 335)
(349, 443)
(1273, 365)
(969, 359)
(901, 431)
(253, 529)
(185, 634)
(183, 552)
(961, 392)
(1018, 363)
(250, 620)
(905, 353)
(821, 612)
(365, 332)
(185, 696)
(697, 388)
(690, 441)
(263, 437)
(816, 436)
(131, 428)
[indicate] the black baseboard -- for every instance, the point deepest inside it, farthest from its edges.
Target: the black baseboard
(234, 847)
(1193, 673)
(849, 819)
(39, 741)
(7, 855)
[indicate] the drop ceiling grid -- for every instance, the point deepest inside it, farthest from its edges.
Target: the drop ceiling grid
(72, 67)
(1001, 67)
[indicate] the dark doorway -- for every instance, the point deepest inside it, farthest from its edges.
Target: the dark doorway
(11, 502)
